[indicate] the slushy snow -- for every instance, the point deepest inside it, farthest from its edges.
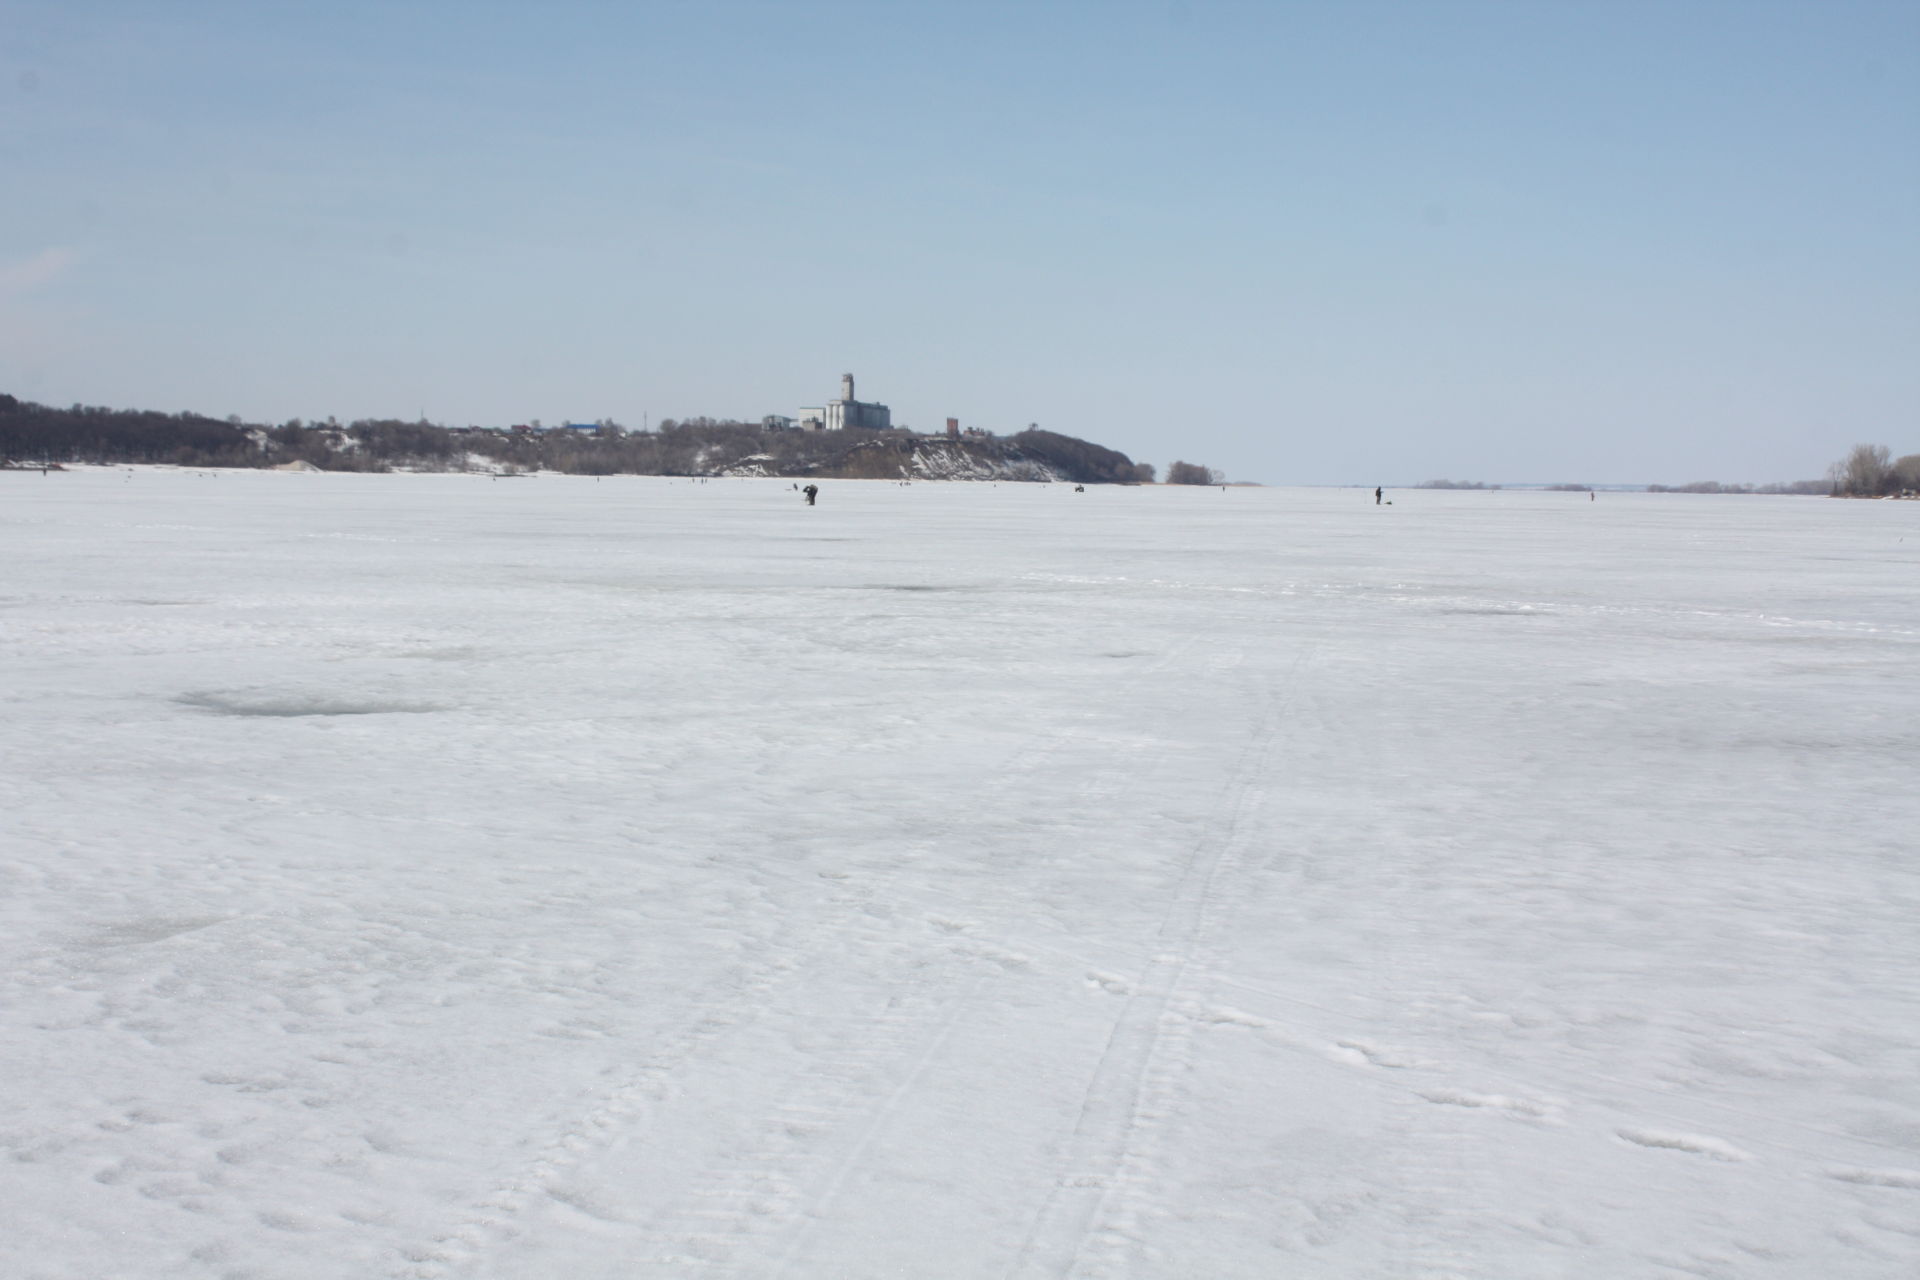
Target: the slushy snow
(433, 876)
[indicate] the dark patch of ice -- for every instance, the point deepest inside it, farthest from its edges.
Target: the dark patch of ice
(133, 933)
(457, 653)
(288, 706)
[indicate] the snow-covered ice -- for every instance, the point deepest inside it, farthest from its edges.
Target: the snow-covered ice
(438, 876)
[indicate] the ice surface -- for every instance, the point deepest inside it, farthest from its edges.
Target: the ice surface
(432, 876)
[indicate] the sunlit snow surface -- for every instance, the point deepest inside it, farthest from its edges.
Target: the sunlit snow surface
(415, 876)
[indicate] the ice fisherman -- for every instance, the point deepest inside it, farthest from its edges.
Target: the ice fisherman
(812, 491)
(1376, 495)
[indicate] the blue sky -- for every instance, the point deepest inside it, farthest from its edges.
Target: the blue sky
(1302, 242)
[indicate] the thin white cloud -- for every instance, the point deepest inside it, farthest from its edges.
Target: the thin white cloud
(30, 273)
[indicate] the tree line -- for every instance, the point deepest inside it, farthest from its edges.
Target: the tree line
(1868, 471)
(695, 447)
(1871, 471)
(1193, 473)
(1805, 487)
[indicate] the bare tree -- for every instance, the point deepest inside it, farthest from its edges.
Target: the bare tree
(1865, 471)
(1906, 471)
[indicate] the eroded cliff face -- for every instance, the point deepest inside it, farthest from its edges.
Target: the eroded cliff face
(955, 460)
(904, 458)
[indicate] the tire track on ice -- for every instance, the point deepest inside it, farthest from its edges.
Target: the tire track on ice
(1090, 1217)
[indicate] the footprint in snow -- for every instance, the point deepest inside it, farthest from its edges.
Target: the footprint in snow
(1902, 1179)
(1490, 1101)
(1691, 1143)
(1360, 1053)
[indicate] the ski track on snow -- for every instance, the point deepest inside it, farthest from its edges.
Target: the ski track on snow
(1090, 1219)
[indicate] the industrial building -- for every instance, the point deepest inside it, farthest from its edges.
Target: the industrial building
(838, 415)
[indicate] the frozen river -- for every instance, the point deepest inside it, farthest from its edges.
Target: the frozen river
(429, 876)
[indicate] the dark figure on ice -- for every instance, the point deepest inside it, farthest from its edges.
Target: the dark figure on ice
(812, 491)
(1376, 495)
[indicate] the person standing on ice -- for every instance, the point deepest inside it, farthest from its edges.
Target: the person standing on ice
(1376, 495)
(812, 491)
